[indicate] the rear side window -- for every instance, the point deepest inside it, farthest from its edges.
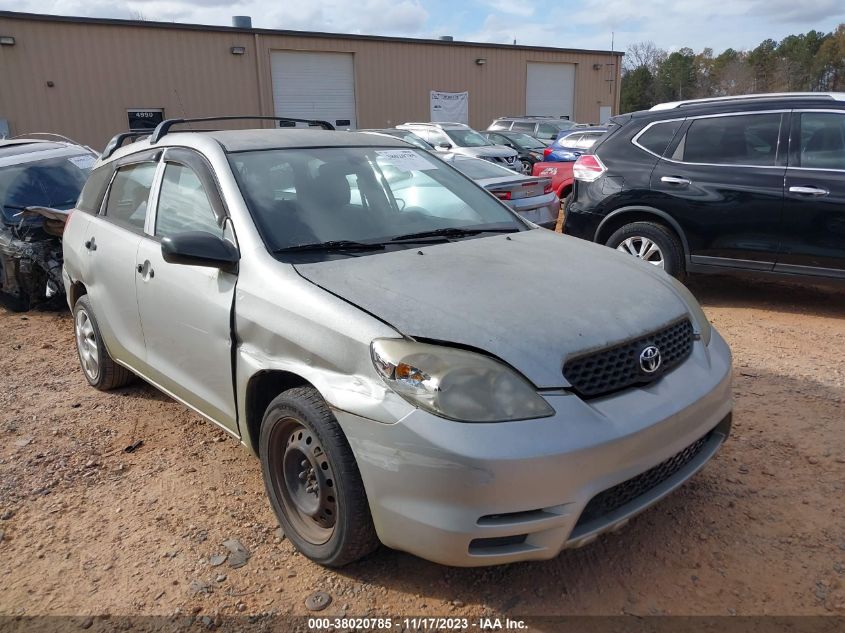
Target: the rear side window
(747, 139)
(523, 126)
(95, 189)
(822, 140)
(657, 138)
(546, 130)
(129, 193)
(183, 204)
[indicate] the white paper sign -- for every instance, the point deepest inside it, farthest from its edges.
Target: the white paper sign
(405, 159)
(83, 162)
(450, 107)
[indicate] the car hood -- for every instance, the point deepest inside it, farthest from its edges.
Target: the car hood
(532, 298)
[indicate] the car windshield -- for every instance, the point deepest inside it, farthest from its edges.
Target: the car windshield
(478, 169)
(526, 141)
(365, 195)
(53, 182)
(467, 138)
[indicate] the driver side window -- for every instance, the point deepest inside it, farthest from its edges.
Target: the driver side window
(183, 204)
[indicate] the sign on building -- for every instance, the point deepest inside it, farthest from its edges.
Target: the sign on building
(450, 107)
(144, 120)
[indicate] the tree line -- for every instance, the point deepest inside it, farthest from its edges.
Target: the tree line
(812, 61)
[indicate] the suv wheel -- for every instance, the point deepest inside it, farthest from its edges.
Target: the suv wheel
(312, 480)
(652, 243)
(527, 167)
(100, 370)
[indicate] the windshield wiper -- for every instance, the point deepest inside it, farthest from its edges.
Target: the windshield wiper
(333, 245)
(449, 232)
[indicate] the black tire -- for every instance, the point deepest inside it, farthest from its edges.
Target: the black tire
(108, 374)
(527, 167)
(634, 235)
(301, 445)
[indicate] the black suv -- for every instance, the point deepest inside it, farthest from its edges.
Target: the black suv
(747, 183)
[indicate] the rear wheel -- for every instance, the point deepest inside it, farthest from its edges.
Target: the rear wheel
(653, 243)
(313, 481)
(100, 370)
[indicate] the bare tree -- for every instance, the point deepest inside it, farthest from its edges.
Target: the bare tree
(644, 54)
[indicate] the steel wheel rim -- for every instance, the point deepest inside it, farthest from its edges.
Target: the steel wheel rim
(303, 480)
(86, 345)
(527, 168)
(643, 248)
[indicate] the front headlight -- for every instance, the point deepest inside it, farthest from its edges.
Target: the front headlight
(456, 384)
(704, 328)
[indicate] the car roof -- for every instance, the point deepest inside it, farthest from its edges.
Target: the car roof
(744, 103)
(259, 139)
(245, 140)
(17, 151)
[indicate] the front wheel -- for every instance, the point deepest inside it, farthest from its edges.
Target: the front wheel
(313, 481)
(527, 167)
(653, 243)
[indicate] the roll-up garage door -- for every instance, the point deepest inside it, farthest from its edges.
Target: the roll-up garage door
(550, 90)
(314, 85)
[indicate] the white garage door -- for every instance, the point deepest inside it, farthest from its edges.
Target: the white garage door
(550, 90)
(310, 85)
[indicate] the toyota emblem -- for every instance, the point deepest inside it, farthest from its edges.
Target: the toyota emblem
(650, 359)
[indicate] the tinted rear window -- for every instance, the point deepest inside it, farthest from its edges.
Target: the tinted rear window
(747, 139)
(94, 189)
(657, 138)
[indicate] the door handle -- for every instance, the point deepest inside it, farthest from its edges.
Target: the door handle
(809, 191)
(91, 245)
(150, 272)
(675, 180)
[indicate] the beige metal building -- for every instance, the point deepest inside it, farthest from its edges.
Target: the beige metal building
(91, 78)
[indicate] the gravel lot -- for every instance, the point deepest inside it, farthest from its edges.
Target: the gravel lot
(86, 528)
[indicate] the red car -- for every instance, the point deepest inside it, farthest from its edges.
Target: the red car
(561, 175)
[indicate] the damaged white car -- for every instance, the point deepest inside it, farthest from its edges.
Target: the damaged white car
(40, 180)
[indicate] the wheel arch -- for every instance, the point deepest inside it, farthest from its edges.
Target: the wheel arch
(77, 289)
(626, 215)
(261, 389)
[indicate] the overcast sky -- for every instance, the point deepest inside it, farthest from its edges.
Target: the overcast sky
(670, 24)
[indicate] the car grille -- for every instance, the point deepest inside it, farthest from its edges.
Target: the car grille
(618, 367)
(622, 494)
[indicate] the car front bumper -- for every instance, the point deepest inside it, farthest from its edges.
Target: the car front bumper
(480, 494)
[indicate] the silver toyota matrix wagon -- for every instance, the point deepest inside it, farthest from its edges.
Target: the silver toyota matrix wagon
(412, 362)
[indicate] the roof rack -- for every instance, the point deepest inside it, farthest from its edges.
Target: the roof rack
(117, 141)
(535, 116)
(434, 123)
(49, 135)
(164, 127)
(836, 96)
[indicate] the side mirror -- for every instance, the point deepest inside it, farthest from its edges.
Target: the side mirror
(444, 146)
(198, 248)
